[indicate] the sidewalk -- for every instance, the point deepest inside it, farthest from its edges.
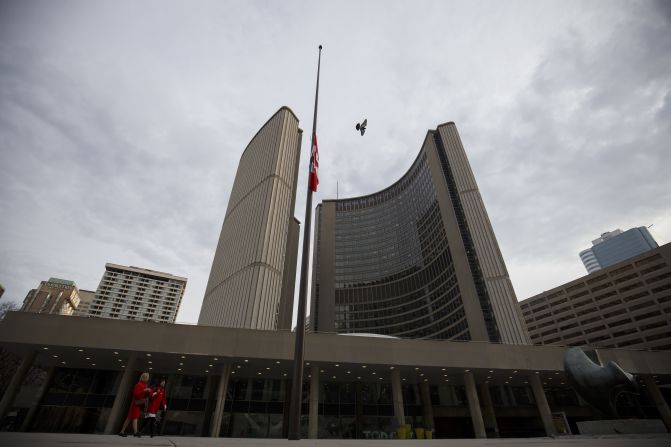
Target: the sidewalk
(77, 440)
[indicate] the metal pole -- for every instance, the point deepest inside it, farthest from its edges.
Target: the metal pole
(297, 380)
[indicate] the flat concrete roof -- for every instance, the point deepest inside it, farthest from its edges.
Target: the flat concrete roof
(82, 341)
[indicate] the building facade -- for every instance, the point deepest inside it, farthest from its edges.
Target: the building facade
(418, 259)
(254, 265)
(55, 296)
(85, 299)
(627, 305)
(616, 246)
(133, 293)
(230, 382)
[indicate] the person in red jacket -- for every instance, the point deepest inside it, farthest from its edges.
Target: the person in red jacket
(156, 402)
(138, 400)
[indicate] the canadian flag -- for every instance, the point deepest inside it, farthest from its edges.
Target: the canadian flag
(314, 165)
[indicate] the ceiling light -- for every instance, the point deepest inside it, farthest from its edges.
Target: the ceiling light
(468, 370)
(349, 372)
(179, 369)
(307, 363)
(442, 369)
(373, 372)
(416, 369)
(115, 352)
(148, 355)
(426, 380)
(285, 374)
(45, 348)
(238, 366)
(183, 357)
(215, 359)
(259, 373)
(514, 372)
(207, 371)
(403, 379)
(55, 356)
(321, 370)
(93, 364)
(149, 361)
(182, 364)
(333, 377)
(391, 367)
(363, 366)
(81, 350)
(123, 366)
(358, 378)
(277, 362)
(491, 371)
(337, 365)
(421, 375)
(246, 361)
(88, 358)
(63, 363)
(210, 366)
(267, 368)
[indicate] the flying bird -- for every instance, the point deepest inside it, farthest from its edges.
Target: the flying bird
(361, 127)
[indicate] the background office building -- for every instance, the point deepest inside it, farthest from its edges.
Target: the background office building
(616, 246)
(85, 299)
(55, 296)
(251, 283)
(418, 259)
(134, 293)
(627, 305)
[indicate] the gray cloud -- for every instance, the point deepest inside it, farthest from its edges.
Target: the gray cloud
(122, 122)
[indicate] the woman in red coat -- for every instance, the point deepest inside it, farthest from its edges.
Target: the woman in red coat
(138, 401)
(156, 402)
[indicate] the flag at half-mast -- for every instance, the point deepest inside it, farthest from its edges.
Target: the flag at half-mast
(314, 164)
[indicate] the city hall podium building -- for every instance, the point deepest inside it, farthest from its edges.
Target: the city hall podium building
(75, 374)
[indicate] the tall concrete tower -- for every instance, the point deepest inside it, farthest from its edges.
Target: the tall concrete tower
(418, 259)
(251, 283)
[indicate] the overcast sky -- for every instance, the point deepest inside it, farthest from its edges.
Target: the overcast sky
(122, 122)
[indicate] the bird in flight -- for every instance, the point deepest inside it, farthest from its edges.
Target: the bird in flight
(361, 127)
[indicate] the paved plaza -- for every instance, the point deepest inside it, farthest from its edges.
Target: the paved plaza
(78, 440)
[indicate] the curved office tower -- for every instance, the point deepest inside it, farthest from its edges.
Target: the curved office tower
(251, 283)
(418, 259)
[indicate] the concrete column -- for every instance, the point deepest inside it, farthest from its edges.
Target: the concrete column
(658, 399)
(488, 414)
(38, 399)
(121, 401)
(397, 396)
(474, 405)
(222, 389)
(542, 404)
(427, 408)
(15, 384)
(313, 421)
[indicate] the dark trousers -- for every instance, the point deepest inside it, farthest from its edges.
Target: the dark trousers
(152, 425)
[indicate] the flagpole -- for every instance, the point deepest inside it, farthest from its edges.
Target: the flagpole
(297, 381)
